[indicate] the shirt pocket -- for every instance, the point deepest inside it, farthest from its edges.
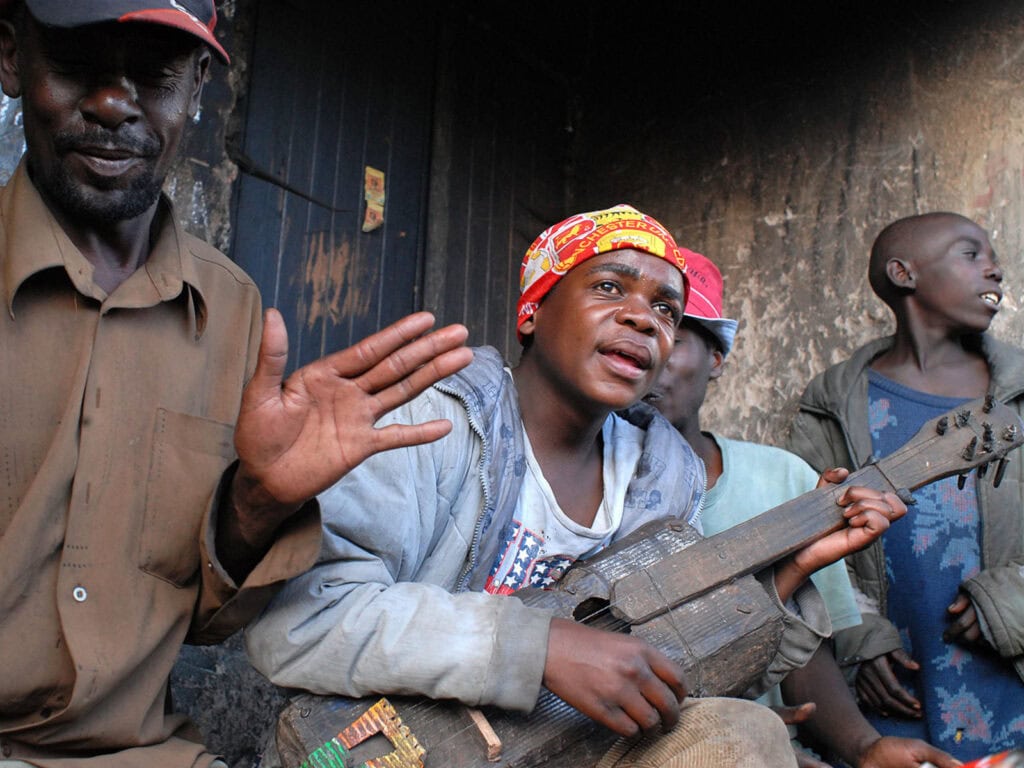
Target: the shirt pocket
(189, 456)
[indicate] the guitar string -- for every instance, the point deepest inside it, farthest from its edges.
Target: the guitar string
(425, 705)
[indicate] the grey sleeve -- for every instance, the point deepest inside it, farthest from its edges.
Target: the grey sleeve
(375, 614)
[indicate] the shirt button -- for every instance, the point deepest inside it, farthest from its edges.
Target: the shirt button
(79, 594)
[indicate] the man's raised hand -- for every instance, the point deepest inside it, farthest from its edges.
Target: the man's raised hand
(297, 438)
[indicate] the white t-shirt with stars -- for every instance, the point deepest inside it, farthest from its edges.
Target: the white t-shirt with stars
(541, 541)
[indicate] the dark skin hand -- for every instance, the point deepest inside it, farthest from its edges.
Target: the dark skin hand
(630, 687)
(841, 729)
(965, 629)
(878, 687)
(296, 437)
(868, 513)
(794, 716)
(877, 684)
(619, 681)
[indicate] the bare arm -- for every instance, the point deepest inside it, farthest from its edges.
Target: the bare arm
(839, 725)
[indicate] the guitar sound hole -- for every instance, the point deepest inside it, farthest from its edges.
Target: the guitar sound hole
(596, 612)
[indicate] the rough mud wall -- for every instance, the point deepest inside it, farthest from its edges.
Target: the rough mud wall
(784, 175)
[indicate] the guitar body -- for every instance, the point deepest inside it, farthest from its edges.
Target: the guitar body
(691, 597)
(723, 639)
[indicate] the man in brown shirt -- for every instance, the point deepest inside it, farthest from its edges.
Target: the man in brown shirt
(134, 511)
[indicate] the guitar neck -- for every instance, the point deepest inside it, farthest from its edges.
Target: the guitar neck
(745, 548)
(971, 436)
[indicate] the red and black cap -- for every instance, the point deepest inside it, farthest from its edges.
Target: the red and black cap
(197, 17)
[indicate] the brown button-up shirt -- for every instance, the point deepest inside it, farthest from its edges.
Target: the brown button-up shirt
(116, 427)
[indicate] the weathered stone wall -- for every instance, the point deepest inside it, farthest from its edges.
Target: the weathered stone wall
(784, 175)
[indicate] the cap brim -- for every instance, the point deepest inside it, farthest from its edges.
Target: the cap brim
(65, 14)
(182, 21)
(723, 329)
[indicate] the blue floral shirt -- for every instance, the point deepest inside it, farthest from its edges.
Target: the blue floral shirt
(971, 698)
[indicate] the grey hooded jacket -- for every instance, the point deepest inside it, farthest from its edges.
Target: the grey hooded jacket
(394, 605)
(831, 430)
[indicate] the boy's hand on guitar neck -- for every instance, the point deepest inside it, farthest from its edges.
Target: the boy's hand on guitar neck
(868, 513)
(620, 681)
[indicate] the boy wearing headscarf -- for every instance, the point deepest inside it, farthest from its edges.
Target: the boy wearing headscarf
(546, 463)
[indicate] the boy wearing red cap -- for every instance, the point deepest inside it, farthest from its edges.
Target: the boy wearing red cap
(126, 523)
(745, 479)
(547, 463)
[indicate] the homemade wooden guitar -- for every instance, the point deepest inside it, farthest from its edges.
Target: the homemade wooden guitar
(693, 598)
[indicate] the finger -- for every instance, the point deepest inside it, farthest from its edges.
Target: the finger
(794, 715)
(869, 695)
(669, 673)
(972, 634)
(271, 360)
(964, 628)
(807, 760)
(404, 361)
(401, 347)
(904, 660)
(898, 700)
(893, 697)
(616, 719)
(869, 686)
(653, 707)
(857, 498)
(405, 435)
(833, 476)
(924, 752)
(959, 604)
(864, 529)
(431, 371)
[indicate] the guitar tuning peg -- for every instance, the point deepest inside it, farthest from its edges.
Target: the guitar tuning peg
(989, 404)
(968, 454)
(942, 425)
(1010, 433)
(961, 481)
(982, 469)
(963, 416)
(906, 496)
(1000, 471)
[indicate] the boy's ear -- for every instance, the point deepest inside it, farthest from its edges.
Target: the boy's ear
(900, 274)
(528, 326)
(10, 79)
(718, 365)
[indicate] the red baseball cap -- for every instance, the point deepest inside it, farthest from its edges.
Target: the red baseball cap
(704, 304)
(197, 17)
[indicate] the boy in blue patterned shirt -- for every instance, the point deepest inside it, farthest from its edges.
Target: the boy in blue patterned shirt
(940, 654)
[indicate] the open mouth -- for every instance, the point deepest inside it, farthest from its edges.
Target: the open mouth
(629, 354)
(991, 298)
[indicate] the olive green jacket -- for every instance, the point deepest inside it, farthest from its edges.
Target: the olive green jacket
(831, 430)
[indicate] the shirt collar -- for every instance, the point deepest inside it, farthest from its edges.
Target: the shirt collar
(31, 241)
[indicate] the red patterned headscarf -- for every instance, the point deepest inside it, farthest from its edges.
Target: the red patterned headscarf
(562, 246)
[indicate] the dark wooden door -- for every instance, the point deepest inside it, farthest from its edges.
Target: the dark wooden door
(335, 87)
